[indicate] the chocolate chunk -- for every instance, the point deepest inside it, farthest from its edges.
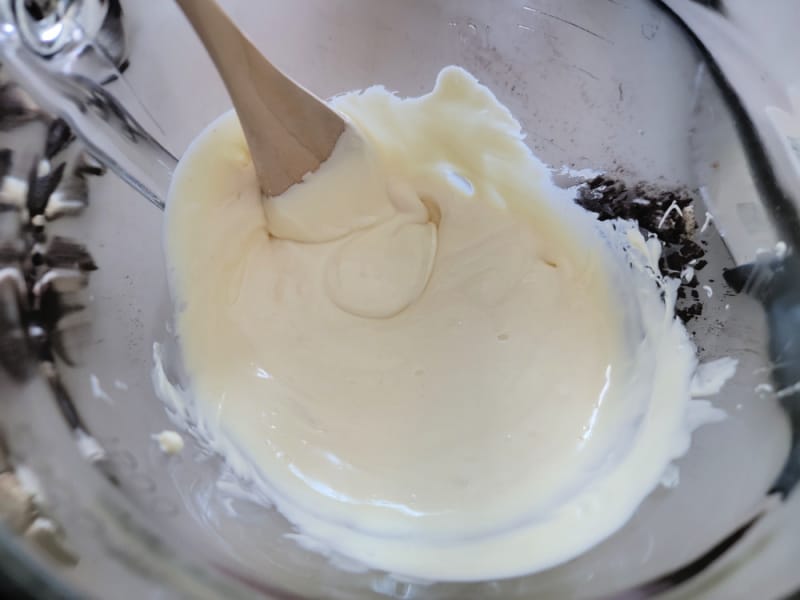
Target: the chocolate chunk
(59, 136)
(667, 213)
(41, 187)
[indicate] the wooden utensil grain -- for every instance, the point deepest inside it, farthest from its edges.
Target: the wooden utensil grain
(290, 131)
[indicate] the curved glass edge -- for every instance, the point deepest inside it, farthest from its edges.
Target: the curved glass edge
(23, 577)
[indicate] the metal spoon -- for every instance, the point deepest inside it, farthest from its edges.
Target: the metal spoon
(289, 130)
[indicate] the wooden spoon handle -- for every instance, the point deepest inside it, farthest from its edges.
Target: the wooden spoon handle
(290, 131)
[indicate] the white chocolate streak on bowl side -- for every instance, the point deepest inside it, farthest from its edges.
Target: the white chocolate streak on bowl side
(438, 364)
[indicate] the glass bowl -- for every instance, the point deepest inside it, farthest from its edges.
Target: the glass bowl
(617, 87)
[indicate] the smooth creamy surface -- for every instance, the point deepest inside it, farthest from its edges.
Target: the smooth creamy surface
(439, 365)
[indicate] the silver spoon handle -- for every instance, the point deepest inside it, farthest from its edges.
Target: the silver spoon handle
(111, 134)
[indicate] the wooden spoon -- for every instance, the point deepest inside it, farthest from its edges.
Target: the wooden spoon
(290, 131)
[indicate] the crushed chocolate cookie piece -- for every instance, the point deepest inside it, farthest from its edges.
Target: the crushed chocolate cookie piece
(690, 250)
(6, 158)
(689, 312)
(672, 263)
(69, 198)
(59, 136)
(41, 186)
(66, 253)
(657, 211)
(666, 213)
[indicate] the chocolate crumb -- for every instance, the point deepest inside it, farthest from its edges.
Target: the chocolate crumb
(6, 156)
(656, 210)
(59, 136)
(666, 213)
(687, 313)
(41, 187)
(690, 250)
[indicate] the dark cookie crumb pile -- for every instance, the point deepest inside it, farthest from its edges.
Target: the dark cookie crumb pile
(667, 213)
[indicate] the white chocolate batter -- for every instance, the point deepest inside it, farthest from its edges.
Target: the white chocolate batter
(440, 366)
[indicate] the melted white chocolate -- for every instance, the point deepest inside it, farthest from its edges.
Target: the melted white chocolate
(440, 365)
